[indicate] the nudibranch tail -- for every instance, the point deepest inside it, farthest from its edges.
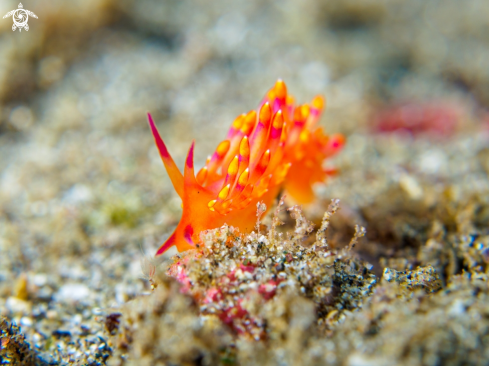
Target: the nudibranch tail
(278, 146)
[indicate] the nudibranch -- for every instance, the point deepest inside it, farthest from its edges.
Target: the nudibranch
(276, 147)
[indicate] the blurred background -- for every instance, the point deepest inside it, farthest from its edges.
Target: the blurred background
(82, 188)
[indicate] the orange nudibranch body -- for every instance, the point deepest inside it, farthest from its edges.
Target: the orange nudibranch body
(276, 147)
